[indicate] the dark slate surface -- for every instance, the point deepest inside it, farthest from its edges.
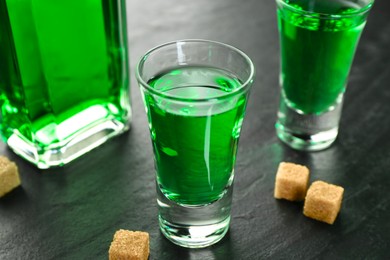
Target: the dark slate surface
(73, 212)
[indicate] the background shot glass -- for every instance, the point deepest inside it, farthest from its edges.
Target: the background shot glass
(64, 77)
(318, 40)
(195, 94)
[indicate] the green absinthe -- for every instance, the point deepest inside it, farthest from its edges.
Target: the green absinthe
(316, 54)
(63, 69)
(195, 145)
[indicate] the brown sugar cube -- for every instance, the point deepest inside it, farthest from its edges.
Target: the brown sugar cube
(129, 245)
(323, 201)
(291, 181)
(9, 176)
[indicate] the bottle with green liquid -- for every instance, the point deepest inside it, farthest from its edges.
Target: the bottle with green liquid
(64, 77)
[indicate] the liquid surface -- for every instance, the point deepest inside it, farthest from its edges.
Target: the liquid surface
(195, 147)
(316, 54)
(63, 68)
(328, 6)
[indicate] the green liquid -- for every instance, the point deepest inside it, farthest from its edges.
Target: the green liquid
(63, 68)
(195, 147)
(316, 54)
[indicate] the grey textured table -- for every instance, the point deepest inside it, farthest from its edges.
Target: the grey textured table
(73, 212)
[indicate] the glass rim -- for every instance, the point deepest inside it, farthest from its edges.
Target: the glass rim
(243, 87)
(359, 11)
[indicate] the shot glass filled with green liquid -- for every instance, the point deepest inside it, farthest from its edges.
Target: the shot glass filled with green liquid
(195, 93)
(318, 39)
(64, 78)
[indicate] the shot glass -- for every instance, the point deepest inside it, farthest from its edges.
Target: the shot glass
(195, 94)
(318, 40)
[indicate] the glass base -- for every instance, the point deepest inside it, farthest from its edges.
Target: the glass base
(194, 226)
(303, 142)
(308, 132)
(194, 236)
(77, 144)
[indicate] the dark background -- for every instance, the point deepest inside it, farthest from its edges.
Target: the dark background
(73, 212)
